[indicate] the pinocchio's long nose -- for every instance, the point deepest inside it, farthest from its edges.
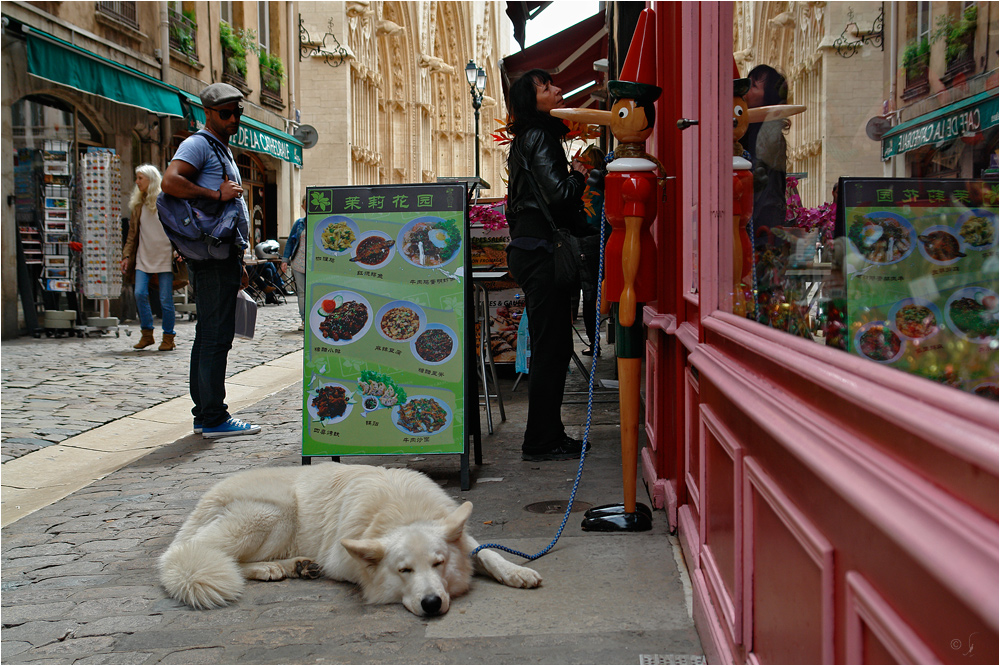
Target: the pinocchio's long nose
(588, 116)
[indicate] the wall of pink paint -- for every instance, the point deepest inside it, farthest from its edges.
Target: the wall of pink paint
(829, 509)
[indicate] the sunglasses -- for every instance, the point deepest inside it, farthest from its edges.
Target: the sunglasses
(226, 114)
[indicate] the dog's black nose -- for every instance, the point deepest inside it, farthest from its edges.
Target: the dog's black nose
(431, 604)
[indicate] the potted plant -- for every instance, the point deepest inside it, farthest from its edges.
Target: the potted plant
(183, 34)
(235, 45)
(958, 34)
(916, 58)
(272, 72)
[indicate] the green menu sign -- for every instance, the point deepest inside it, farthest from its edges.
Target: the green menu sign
(922, 277)
(385, 320)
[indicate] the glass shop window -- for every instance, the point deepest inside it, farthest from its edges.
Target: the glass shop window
(865, 203)
(41, 118)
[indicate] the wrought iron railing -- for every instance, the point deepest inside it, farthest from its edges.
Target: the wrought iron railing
(183, 34)
(123, 12)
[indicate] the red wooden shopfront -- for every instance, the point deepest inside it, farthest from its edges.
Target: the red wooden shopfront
(830, 509)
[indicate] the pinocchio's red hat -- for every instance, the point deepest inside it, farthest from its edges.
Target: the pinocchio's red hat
(638, 76)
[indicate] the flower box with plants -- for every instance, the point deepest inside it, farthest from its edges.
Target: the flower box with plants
(916, 59)
(184, 34)
(959, 35)
(236, 43)
(272, 73)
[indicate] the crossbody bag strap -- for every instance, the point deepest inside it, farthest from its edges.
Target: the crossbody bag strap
(534, 186)
(215, 149)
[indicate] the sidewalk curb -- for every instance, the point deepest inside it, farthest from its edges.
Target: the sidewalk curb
(43, 477)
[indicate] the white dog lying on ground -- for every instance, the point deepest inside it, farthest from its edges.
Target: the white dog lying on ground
(394, 532)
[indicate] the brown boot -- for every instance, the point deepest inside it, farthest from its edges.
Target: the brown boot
(168, 342)
(145, 340)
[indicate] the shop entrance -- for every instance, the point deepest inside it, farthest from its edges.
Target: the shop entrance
(254, 182)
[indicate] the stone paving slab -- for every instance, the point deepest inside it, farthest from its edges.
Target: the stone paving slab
(79, 582)
(57, 388)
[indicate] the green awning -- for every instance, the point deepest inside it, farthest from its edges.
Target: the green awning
(55, 60)
(972, 114)
(253, 135)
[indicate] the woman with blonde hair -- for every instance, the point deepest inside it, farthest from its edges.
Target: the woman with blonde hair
(148, 255)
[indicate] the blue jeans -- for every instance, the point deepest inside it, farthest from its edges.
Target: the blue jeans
(216, 284)
(166, 300)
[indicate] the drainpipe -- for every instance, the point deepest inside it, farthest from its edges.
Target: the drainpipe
(893, 74)
(164, 42)
(293, 54)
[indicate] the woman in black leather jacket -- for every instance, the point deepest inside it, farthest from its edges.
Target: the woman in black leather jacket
(537, 147)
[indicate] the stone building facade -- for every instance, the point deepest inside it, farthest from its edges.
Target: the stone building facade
(385, 87)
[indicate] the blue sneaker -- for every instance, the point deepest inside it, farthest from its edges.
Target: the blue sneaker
(197, 427)
(230, 428)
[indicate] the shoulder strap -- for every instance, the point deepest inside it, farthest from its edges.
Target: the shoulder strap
(212, 142)
(523, 163)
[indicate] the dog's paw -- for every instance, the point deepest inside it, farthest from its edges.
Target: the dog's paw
(306, 568)
(522, 577)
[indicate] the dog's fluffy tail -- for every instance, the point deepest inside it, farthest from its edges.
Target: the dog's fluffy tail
(200, 576)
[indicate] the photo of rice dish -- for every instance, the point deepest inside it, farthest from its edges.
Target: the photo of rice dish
(337, 237)
(977, 232)
(429, 244)
(434, 345)
(400, 323)
(345, 321)
(422, 415)
(879, 343)
(330, 402)
(916, 321)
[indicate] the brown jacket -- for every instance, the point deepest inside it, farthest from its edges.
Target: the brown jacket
(131, 249)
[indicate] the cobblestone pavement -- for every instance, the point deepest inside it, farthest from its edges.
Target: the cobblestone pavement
(56, 388)
(79, 581)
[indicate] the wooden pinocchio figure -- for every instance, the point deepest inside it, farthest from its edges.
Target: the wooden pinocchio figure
(630, 198)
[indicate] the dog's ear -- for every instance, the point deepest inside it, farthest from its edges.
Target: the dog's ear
(369, 551)
(454, 524)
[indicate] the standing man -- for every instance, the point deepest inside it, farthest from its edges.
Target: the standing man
(204, 171)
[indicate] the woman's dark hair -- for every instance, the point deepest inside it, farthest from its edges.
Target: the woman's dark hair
(523, 101)
(775, 88)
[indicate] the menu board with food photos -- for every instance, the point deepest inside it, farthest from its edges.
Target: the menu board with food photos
(385, 332)
(921, 275)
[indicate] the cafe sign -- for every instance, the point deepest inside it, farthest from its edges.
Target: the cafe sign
(253, 139)
(970, 116)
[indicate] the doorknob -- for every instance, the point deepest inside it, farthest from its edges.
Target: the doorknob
(684, 123)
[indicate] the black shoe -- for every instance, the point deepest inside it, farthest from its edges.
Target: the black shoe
(587, 351)
(568, 449)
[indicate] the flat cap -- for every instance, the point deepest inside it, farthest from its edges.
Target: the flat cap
(218, 94)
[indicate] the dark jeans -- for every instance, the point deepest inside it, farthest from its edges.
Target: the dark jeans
(216, 284)
(551, 346)
(591, 248)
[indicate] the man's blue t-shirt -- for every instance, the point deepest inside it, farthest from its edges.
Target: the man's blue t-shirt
(196, 151)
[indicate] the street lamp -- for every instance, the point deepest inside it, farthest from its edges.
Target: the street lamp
(477, 84)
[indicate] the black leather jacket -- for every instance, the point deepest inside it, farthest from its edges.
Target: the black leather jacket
(561, 187)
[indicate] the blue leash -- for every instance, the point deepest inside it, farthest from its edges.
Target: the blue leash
(590, 409)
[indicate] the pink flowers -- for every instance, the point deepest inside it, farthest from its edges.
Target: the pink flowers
(821, 217)
(488, 215)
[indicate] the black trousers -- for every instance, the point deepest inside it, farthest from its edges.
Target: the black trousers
(551, 333)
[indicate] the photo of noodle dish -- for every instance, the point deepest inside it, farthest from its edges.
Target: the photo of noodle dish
(878, 342)
(883, 237)
(340, 318)
(335, 234)
(971, 314)
(421, 415)
(374, 249)
(330, 403)
(400, 321)
(915, 318)
(978, 228)
(429, 242)
(436, 345)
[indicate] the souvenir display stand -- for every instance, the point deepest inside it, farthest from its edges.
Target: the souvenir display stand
(100, 233)
(387, 340)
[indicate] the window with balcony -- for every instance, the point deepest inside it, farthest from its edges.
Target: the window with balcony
(124, 13)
